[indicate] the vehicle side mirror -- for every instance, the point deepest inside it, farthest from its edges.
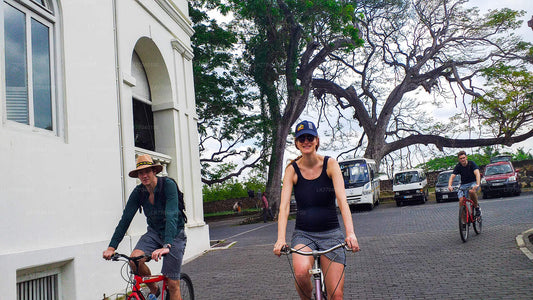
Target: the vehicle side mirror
(517, 170)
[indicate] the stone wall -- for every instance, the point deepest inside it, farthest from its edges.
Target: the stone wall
(227, 205)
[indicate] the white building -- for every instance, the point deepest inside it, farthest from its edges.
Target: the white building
(84, 87)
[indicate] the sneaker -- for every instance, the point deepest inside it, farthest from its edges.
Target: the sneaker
(156, 296)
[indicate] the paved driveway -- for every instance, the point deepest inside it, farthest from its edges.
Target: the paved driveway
(412, 252)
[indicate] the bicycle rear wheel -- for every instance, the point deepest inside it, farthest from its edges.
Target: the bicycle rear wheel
(186, 288)
(463, 225)
(478, 223)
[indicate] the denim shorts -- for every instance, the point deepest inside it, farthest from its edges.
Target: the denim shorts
(151, 241)
(321, 240)
(466, 186)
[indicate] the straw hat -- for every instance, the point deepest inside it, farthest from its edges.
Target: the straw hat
(145, 161)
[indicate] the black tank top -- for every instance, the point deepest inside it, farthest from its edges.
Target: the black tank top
(315, 200)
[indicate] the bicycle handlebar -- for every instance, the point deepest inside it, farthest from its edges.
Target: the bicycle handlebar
(117, 256)
(288, 250)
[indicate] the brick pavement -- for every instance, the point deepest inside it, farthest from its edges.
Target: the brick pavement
(412, 252)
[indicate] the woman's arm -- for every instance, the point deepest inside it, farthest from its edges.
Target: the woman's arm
(334, 171)
(284, 208)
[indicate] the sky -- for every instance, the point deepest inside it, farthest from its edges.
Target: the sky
(444, 113)
(525, 32)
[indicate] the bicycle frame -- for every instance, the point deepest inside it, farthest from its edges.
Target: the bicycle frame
(138, 279)
(469, 209)
(316, 271)
(136, 290)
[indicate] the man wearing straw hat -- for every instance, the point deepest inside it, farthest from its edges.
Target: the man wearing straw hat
(158, 197)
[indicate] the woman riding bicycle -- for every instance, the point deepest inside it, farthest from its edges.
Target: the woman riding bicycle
(317, 182)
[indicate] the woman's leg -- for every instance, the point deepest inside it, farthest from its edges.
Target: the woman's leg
(334, 277)
(302, 264)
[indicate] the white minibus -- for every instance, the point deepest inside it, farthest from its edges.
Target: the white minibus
(360, 181)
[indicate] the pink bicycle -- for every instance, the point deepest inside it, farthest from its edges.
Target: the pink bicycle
(318, 276)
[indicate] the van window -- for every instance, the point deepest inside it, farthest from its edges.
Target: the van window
(406, 177)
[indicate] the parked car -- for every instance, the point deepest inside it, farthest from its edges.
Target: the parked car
(410, 186)
(500, 178)
(442, 193)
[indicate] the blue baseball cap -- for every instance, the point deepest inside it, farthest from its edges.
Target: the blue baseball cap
(305, 127)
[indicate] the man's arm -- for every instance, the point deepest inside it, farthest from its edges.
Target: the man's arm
(478, 177)
(450, 188)
(123, 225)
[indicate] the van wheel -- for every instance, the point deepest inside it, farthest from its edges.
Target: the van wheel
(485, 196)
(398, 203)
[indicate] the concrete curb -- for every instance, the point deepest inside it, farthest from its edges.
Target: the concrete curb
(521, 242)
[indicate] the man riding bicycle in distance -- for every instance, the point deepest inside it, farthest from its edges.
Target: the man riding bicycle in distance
(470, 179)
(158, 197)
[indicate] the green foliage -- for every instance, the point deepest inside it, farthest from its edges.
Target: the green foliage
(231, 189)
(522, 155)
(508, 104)
(224, 100)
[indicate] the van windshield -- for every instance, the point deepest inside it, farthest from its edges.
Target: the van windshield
(406, 177)
(355, 173)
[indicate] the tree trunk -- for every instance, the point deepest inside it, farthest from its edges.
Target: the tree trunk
(276, 165)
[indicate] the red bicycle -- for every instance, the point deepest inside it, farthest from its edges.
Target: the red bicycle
(138, 293)
(467, 217)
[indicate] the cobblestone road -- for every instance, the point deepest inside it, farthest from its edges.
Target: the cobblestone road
(412, 252)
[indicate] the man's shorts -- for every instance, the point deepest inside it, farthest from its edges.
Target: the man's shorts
(151, 241)
(466, 186)
(322, 240)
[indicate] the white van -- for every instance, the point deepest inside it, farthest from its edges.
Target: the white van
(360, 181)
(410, 186)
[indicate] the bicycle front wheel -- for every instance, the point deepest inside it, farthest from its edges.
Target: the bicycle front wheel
(186, 288)
(463, 225)
(478, 223)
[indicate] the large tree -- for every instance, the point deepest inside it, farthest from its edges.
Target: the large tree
(434, 47)
(286, 41)
(227, 122)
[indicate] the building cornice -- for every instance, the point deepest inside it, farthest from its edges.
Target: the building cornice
(183, 49)
(177, 15)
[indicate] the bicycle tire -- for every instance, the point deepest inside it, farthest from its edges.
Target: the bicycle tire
(186, 287)
(478, 224)
(463, 225)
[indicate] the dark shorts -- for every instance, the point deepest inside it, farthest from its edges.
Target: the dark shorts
(321, 241)
(151, 241)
